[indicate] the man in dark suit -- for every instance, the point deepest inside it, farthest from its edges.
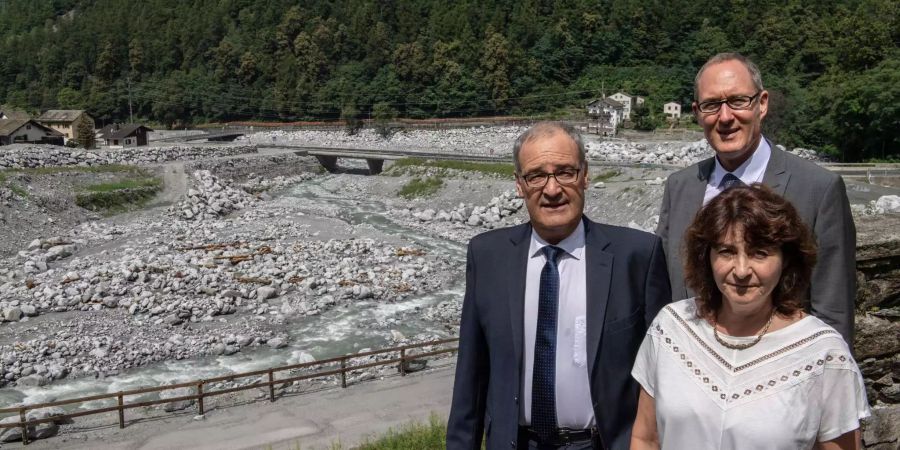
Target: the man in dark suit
(730, 103)
(553, 314)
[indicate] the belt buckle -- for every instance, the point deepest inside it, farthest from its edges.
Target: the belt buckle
(566, 436)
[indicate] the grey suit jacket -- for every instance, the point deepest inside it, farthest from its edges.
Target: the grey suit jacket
(627, 285)
(820, 198)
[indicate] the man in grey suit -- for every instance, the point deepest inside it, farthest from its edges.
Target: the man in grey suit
(553, 315)
(730, 104)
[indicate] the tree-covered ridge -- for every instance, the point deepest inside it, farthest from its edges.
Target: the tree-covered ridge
(833, 68)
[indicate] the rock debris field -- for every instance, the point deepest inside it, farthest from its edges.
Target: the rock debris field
(258, 242)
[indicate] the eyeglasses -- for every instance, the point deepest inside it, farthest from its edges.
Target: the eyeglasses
(537, 180)
(737, 102)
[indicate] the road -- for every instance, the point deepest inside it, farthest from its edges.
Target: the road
(315, 420)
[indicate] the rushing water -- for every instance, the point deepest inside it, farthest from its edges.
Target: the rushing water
(341, 330)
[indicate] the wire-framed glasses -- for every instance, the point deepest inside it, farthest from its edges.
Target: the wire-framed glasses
(736, 102)
(537, 180)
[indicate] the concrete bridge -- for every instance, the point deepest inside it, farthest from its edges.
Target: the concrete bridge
(223, 136)
(328, 156)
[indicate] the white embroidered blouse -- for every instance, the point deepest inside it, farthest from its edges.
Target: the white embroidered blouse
(797, 386)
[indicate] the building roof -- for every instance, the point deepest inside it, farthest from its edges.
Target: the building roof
(672, 103)
(123, 131)
(60, 115)
(16, 114)
(606, 100)
(9, 126)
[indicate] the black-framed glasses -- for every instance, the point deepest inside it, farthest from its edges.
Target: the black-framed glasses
(736, 102)
(537, 180)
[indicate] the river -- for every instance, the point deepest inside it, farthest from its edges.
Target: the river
(341, 330)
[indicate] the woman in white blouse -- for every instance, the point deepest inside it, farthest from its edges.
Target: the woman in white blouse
(741, 365)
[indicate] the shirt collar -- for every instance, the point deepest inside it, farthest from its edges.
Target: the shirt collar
(573, 244)
(751, 171)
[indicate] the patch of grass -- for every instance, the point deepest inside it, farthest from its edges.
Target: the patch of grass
(501, 169)
(137, 183)
(119, 196)
(18, 190)
(421, 187)
(109, 168)
(115, 201)
(606, 175)
(412, 436)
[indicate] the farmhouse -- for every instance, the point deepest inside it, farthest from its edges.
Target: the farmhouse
(130, 135)
(27, 132)
(66, 121)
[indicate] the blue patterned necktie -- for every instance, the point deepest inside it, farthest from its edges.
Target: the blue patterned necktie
(729, 181)
(543, 379)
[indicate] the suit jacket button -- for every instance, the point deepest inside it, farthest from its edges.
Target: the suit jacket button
(512, 444)
(517, 400)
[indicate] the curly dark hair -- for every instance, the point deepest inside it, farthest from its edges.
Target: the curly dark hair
(767, 221)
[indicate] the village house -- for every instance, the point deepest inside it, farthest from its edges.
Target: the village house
(672, 110)
(628, 102)
(66, 121)
(27, 131)
(130, 135)
(13, 114)
(606, 114)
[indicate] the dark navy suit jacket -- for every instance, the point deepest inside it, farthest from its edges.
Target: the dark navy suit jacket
(627, 284)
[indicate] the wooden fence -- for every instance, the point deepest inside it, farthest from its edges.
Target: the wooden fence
(401, 360)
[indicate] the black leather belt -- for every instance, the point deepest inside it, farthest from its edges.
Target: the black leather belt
(563, 436)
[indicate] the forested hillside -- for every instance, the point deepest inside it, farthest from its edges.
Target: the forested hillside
(833, 68)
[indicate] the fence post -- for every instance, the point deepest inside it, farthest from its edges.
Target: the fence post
(200, 396)
(343, 372)
(271, 385)
(24, 428)
(402, 360)
(121, 411)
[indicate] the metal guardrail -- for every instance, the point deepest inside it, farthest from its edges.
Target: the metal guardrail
(200, 394)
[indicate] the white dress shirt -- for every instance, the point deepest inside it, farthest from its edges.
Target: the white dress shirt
(751, 171)
(573, 394)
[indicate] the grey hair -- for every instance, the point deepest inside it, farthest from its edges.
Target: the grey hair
(755, 75)
(547, 129)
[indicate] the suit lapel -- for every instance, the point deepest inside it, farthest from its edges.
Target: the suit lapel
(693, 198)
(520, 241)
(598, 265)
(776, 175)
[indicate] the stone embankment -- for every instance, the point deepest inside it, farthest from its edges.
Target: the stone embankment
(22, 156)
(877, 343)
(669, 153)
(499, 212)
(498, 141)
(211, 198)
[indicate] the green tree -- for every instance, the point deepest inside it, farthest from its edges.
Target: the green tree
(86, 136)
(106, 62)
(382, 115)
(495, 64)
(69, 98)
(352, 121)
(642, 118)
